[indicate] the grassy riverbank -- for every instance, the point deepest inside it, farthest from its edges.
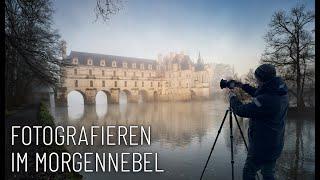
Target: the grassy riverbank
(46, 119)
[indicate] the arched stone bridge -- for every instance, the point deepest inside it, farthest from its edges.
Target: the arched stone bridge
(176, 78)
(113, 94)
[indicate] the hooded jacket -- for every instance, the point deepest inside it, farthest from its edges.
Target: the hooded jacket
(267, 113)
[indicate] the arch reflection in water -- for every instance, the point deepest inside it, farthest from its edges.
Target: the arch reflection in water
(101, 104)
(101, 110)
(75, 105)
(123, 110)
(123, 98)
(143, 96)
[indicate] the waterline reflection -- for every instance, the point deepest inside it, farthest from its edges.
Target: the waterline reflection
(183, 133)
(101, 110)
(75, 112)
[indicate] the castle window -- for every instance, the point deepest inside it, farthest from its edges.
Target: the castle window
(141, 66)
(74, 61)
(124, 73)
(75, 71)
(150, 66)
(151, 84)
(89, 62)
(135, 84)
(90, 72)
(158, 84)
(114, 64)
(76, 83)
(134, 65)
(115, 84)
(142, 74)
(103, 84)
(91, 83)
(125, 65)
(102, 72)
(142, 84)
(125, 84)
(114, 73)
(102, 63)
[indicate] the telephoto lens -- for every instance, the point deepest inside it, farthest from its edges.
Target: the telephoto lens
(223, 83)
(228, 84)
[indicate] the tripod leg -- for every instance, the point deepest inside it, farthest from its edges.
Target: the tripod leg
(241, 132)
(214, 144)
(244, 140)
(231, 141)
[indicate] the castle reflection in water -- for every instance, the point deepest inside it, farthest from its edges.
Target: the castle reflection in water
(183, 133)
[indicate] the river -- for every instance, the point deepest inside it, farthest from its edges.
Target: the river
(183, 134)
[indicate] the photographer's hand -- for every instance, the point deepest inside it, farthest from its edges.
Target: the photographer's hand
(231, 94)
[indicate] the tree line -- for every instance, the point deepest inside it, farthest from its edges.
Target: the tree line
(33, 48)
(290, 47)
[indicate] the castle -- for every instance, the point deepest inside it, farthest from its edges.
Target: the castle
(174, 77)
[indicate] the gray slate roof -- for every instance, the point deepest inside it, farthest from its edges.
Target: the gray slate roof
(96, 58)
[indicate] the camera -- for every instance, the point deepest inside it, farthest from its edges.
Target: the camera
(231, 84)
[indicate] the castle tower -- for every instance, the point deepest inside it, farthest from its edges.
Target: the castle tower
(63, 49)
(199, 61)
(160, 57)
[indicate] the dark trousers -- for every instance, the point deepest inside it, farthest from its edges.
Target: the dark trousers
(253, 165)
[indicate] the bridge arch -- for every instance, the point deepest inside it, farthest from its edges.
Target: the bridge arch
(155, 96)
(76, 97)
(75, 102)
(103, 97)
(125, 96)
(142, 96)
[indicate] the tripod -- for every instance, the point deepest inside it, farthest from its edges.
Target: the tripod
(229, 110)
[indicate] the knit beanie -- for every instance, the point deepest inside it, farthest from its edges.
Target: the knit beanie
(265, 72)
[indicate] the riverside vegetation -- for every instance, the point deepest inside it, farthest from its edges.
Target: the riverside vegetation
(46, 119)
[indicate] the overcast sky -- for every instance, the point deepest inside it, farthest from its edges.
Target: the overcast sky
(223, 31)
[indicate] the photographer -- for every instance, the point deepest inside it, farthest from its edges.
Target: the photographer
(267, 113)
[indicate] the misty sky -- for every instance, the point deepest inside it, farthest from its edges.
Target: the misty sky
(223, 31)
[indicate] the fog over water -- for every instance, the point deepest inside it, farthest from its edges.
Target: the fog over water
(182, 133)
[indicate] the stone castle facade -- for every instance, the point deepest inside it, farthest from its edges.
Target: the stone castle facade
(174, 77)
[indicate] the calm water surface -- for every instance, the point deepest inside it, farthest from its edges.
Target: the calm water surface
(183, 134)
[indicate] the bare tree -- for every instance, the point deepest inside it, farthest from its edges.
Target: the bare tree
(250, 78)
(31, 45)
(107, 8)
(290, 47)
